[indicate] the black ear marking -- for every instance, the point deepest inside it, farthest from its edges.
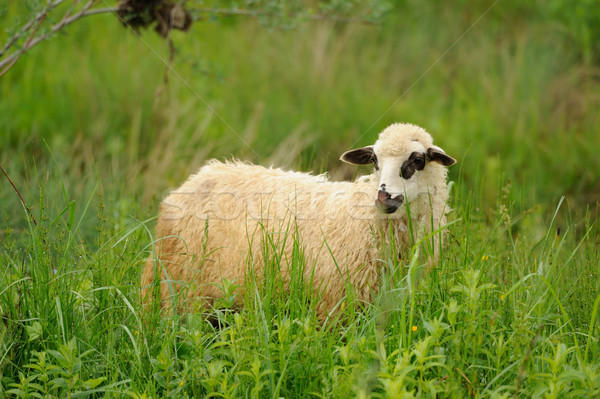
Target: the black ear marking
(360, 156)
(436, 154)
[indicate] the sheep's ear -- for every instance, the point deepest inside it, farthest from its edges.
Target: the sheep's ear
(360, 156)
(436, 154)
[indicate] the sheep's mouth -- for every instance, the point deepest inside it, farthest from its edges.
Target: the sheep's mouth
(387, 204)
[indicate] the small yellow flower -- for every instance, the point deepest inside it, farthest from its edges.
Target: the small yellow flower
(415, 328)
(502, 297)
(485, 257)
(181, 383)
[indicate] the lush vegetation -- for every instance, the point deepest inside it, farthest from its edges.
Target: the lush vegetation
(92, 137)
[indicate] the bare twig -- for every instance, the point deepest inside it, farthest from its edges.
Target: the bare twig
(95, 11)
(258, 13)
(20, 197)
(335, 18)
(68, 19)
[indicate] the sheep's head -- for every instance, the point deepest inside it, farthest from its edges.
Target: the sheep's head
(405, 161)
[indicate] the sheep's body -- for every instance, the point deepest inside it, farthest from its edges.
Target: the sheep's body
(212, 228)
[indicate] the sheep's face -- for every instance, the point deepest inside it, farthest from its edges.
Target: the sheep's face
(401, 157)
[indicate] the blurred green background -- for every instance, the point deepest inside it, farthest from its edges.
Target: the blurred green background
(509, 88)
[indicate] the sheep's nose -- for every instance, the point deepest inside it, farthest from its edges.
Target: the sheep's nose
(386, 203)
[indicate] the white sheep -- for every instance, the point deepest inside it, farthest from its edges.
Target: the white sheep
(213, 227)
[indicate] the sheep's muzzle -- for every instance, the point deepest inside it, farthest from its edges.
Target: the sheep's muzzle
(386, 203)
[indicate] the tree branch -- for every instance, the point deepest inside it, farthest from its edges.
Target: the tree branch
(68, 19)
(86, 10)
(28, 25)
(258, 13)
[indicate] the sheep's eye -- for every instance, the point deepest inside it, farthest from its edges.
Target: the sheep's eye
(419, 161)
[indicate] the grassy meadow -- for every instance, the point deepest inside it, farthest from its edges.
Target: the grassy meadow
(92, 137)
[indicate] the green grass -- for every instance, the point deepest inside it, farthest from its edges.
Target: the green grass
(502, 314)
(92, 139)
